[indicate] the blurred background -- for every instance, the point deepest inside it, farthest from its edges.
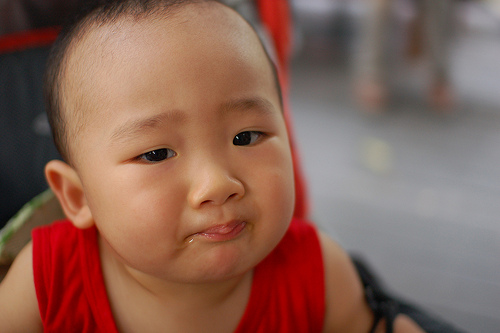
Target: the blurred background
(396, 109)
(411, 186)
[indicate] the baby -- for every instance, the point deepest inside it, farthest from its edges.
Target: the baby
(178, 188)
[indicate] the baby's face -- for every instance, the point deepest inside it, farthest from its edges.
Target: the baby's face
(184, 156)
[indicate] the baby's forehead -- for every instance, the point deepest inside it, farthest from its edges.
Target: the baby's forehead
(204, 17)
(93, 52)
(99, 37)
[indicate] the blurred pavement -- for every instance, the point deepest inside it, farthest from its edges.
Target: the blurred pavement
(415, 193)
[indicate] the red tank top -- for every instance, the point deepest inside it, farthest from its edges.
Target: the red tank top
(288, 293)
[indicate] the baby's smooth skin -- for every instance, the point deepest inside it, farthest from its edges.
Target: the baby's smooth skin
(180, 158)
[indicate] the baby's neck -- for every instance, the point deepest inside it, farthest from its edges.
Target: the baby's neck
(143, 303)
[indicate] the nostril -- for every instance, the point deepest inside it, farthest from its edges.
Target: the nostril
(212, 201)
(206, 202)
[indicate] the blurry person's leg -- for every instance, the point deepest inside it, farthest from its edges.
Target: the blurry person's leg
(370, 74)
(438, 24)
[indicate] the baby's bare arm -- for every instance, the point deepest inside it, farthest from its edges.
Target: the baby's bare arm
(346, 306)
(18, 302)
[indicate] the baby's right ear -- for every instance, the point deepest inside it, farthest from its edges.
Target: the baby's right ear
(66, 185)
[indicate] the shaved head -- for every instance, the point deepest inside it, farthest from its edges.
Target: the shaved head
(76, 57)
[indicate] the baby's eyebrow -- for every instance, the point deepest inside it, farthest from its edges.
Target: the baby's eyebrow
(257, 104)
(132, 128)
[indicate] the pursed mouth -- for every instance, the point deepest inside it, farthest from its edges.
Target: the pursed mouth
(220, 232)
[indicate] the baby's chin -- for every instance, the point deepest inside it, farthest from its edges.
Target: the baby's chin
(222, 263)
(203, 266)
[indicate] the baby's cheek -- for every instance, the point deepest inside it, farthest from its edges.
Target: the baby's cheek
(282, 194)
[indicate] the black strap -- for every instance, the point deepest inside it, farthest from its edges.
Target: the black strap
(382, 305)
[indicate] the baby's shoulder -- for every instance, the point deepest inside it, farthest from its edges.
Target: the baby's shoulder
(346, 308)
(18, 301)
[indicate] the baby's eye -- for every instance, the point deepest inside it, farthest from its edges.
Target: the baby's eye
(246, 138)
(157, 155)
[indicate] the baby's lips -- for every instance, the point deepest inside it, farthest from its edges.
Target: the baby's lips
(221, 232)
(222, 229)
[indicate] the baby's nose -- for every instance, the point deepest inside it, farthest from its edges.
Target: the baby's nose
(214, 184)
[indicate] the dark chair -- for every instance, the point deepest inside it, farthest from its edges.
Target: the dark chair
(26, 143)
